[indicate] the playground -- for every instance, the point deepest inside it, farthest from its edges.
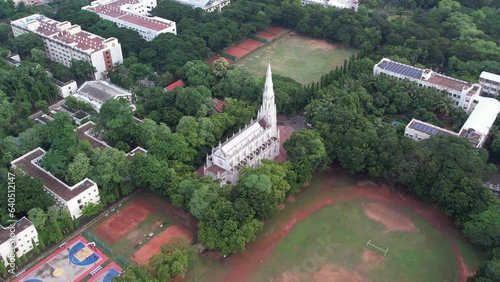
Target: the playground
(143, 221)
(73, 261)
(297, 56)
(346, 228)
(107, 273)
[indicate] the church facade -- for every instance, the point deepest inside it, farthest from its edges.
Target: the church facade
(259, 140)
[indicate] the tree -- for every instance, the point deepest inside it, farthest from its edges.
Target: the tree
(171, 261)
(148, 171)
(35, 247)
(197, 73)
(108, 170)
(484, 228)
(90, 209)
(38, 217)
(29, 194)
(78, 169)
(137, 273)
(307, 153)
(56, 162)
(25, 42)
(3, 268)
(24, 258)
(115, 118)
(82, 70)
(220, 67)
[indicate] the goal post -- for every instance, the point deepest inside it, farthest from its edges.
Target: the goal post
(368, 243)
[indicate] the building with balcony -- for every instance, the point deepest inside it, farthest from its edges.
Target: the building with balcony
(339, 4)
(17, 239)
(490, 83)
(463, 93)
(65, 42)
(134, 15)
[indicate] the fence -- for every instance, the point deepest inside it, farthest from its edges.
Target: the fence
(263, 40)
(98, 242)
(123, 260)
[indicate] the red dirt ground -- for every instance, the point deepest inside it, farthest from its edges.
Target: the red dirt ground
(390, 218)
(124, 221)
(242, 264)
(153, 247)
(285, 134)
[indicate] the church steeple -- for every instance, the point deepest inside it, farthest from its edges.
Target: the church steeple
(268, 108)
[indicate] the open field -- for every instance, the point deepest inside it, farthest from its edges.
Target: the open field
(300, 57)
(321, 235)
(142, 222)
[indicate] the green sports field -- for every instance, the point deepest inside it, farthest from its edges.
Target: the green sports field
(331, 242)
(300, 57)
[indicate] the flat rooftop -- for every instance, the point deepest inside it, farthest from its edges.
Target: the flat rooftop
(448, 82)
(27, 164)
(490, 76)
(59, 31)
(137, 150)
(113, 10)
(429, 129)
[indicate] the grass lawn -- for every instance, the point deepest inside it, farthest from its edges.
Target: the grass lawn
(300, 57)
(412, 256)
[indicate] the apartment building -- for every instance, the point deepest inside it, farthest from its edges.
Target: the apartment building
(133, 14)
(463, 93)
(32, 2)
(17, 237)
(98, 92)
(490, 83)
(65, 42)
(206, 5)
(74, 198)
(340, 4)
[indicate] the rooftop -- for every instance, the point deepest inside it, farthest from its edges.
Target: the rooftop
(447, 82)
(20, 225)
(219, 105)
(84, 131)
(244, 137)
(490, 76)
(113, 10)
(137, 150)
(102, 90)
(483, 116)
(178, 83)
(80, 115)
(215, 169)
(63, 32)
(428, 128)
(401, 69)
(29, 163)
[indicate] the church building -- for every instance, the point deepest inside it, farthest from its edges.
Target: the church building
(257, 141)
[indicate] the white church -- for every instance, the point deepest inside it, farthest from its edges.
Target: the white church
(257, 141)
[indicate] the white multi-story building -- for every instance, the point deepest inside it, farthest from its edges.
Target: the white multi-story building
(65, 42)
(65, 88)
(340, 4)
(462, 92)
(32, 2)
(490, 83)
(206, 5)
(17, 238)
(133, 14)
(476, 129)
(419, 130)
(74, 198)
(257, 141)
(98, 92)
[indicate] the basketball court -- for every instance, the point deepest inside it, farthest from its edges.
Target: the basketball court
(71, 262)
(107, 273)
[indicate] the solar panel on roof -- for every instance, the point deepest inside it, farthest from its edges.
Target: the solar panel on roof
(402, 69)
(425, 128)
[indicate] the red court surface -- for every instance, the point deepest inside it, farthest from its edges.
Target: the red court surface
(244, 48)
(60, 260)
(153, 247)
(124, 221)
(272, 33)
(102, 273)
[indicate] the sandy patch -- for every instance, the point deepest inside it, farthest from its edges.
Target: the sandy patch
(334, 273)
(281, 206)
(291, 199)
(390, 218)
(320, 44)
(369, 261)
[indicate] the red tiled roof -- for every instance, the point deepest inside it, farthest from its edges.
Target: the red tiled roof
(448, 82)
(215, 169)
(178, 83)
(220, 105)
(113, 10)
(263, 123)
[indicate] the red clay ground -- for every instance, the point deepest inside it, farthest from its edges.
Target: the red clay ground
(242, 264)
(124, 221)
(153, 247)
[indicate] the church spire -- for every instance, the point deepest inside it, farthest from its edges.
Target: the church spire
(268, 108)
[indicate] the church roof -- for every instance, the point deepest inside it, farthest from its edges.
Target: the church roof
(243, 138)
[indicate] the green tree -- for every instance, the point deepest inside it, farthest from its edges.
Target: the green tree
(38, 217)
(82, 70)
(25, 42)
(24, 258)
(484, 228)
(35, 247)
(91, 209)
(78, 169)
(3, 268)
